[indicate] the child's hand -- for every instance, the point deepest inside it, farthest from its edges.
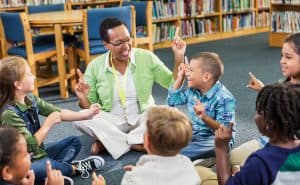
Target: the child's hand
(181, 71)
(129, 167)
(29, 179)
(199, 108)
(178, 45)
(254, 83)
(82, 89)
(54, 177)
(222, 136)
(98, 180)
(53, 118)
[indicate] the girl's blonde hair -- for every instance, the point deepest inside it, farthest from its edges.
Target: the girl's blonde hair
(169, 130)
(12, 69)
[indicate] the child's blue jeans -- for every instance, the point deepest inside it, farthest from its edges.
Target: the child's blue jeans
(200, 147)
(60, 154)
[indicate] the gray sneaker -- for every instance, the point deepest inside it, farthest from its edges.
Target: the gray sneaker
(88, 164)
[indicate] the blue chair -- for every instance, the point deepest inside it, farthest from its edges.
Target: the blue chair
(92, 45)
(143, 22)
(45, 8)
(15, 30)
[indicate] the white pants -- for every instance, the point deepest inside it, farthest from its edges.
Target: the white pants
(114, 133)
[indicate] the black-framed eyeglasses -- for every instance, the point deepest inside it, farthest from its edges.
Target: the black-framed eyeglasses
(120, 43)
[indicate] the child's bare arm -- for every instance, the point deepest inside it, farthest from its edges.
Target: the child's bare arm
(69, 115)
(222, 138)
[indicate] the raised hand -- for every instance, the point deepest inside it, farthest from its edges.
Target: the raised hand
(29, 179)
(181, 71)
(82, 88)
(98, 180)
(223, 135)
(178, 45)
(254, 83)
(54, 177)
(199, 108)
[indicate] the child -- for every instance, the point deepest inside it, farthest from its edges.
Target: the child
(203, 74)
(290, 63)
(290, 67)
(15, 161)
(20, 109)
(277, 117)
(168, 131)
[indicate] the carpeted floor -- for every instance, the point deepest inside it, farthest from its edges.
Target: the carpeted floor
(240, 55)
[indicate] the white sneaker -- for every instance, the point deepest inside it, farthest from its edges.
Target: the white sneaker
(88, 164)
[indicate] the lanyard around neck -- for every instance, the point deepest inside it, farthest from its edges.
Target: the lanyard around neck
(120, 88)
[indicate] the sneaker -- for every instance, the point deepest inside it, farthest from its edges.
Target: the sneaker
(88, 164)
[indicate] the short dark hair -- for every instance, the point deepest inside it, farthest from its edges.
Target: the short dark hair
(107, 24)
(280, 106)
(9, 137)
(212, 63)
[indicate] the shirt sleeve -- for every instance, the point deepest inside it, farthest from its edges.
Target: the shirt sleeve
(45, 108)
(253, 172)
(162, 75)
(177, 97)
(10, 118)
(90, 75)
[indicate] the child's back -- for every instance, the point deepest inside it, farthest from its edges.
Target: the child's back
(168, 131)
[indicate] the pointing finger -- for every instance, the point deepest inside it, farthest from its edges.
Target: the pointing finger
(252, 75)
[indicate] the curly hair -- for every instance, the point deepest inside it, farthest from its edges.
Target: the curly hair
(280, 107)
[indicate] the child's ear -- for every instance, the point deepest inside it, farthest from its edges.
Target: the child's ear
(6, 174)
(147, 142)
(18, 85)
(206, 77)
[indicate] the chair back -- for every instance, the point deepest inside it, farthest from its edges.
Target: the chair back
(140, 10)
(12, 27)
(45, 8)
(96, 16)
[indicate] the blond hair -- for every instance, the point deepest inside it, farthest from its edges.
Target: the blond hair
(12, 69)
(210, 62)
(169, 130)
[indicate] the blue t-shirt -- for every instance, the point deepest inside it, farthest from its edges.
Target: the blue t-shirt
(270, 165)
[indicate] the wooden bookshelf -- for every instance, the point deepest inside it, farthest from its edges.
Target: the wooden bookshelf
(253, 15)
(287, 13)
(84, 4)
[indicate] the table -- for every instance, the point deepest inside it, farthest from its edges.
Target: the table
(58, 20)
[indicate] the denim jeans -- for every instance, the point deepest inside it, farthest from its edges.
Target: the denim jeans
(200, 147)
(60, 154)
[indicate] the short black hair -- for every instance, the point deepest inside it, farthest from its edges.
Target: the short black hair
(107, 24)
(280, 106)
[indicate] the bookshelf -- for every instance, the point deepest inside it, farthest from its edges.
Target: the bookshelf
(207, 20)
(284, 20)
(84, 4)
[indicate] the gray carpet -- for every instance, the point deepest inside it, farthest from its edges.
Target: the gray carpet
(240, 55)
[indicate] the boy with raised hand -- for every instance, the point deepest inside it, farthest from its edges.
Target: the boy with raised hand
(214, 103)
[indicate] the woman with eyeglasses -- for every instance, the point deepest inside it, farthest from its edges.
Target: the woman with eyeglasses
(121, 81)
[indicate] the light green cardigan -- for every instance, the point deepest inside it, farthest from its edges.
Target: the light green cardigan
(146, 69)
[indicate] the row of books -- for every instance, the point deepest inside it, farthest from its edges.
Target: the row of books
(164, 10)
(286, 2)
(199, 27)
(237, 5)
(263, 4)
(19, 3)
(196, 7)
(263, 19)
(163, 32)
(286, 22)
(238, 22)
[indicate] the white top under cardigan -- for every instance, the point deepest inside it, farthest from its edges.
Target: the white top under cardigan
(159, 170)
